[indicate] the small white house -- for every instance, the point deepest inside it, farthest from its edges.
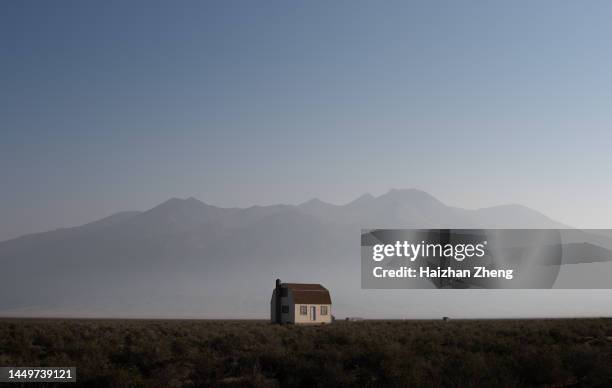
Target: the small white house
(300, 303)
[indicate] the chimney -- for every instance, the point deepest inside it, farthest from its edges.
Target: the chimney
(278, 301)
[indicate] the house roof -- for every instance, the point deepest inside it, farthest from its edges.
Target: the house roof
(309, 293)
(304, 286)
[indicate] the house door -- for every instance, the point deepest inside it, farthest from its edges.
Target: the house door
(313, 313)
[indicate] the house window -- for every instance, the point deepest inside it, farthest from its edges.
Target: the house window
(303, 310)
(285, 309)
(323, 310)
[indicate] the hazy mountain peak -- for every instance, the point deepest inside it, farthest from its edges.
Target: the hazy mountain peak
(175, 216)
(409, 195)
(178, 204)
(367, 197)
(177, 201)
(313, 202)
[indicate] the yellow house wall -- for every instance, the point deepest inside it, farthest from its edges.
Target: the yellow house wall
(305, 319)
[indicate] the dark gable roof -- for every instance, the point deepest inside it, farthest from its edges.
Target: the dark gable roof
(304, 287)
(308, 293)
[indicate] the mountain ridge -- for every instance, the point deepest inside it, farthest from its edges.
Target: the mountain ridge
(191, 204)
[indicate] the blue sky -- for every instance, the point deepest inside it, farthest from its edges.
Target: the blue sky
(109, 106)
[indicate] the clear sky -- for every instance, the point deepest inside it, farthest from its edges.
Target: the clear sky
(108, 106)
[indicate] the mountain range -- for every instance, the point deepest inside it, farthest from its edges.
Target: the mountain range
(186, 258)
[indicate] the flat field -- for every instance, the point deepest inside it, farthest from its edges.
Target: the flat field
(457, 353)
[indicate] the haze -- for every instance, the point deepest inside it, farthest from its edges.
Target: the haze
(110, 106)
